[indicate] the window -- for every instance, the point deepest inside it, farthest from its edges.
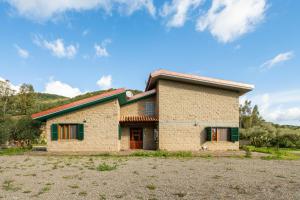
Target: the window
(220, 134)
(149, 108)
(67, 131)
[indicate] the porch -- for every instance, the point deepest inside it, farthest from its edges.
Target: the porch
(138, 132)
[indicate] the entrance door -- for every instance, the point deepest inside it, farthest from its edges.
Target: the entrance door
(214, 134)
(136, 138)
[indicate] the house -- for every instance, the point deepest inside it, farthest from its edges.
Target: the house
(176, 112)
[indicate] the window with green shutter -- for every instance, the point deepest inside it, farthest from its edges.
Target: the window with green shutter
(120, 132)
(234, 134)
(80, 134)
(54, 135)
(208, 133)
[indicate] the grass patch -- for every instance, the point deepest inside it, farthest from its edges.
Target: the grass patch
(151, 187)
(177, 154)
(8, 186)
(276, 154)
(106, 167)
(13, 151)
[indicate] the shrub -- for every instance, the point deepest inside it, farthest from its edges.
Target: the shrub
(290, 140)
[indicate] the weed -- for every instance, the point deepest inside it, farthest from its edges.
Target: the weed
(136, 172)
(106, 167)
(29, 175)
(119, 196)
(102, 196)
(217, 177)
(280, 176)
(8, 186)
(180, 194)
(248, 153)
(82, 193)
(73, 186)
(26, 191)
(151, 186)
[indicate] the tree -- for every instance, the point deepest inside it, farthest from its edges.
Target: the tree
(6, 99)
(25, 98)
(249, 116)
(256, 118)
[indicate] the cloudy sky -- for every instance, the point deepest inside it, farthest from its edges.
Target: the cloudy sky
(71, 47)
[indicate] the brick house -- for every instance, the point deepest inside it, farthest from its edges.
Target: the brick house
(176, 112)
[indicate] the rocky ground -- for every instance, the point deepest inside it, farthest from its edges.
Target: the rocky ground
(92, 177)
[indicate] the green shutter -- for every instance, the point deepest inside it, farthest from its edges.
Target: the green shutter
(208, 132)
(80, 133)
(120, 132)
(54, 135)
(234, 134)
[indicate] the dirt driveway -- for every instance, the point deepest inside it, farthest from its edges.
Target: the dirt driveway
(77, 177)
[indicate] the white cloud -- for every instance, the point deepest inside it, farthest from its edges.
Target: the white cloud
(101, 50)
(23, 53)
(13, 87)
(85, 32)
(177, 11)
(229, 19)
(57, 47)
(282, 57)
(60, 88)
(41, 10)
(279, 107)
(105, 82)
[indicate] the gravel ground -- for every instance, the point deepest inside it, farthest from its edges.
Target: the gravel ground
(76, 177)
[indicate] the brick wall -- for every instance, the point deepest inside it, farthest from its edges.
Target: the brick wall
(185, 110)
(100, 129)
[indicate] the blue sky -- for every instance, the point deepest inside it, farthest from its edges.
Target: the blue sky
(71, 47)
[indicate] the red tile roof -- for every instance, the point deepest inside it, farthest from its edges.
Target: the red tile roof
(77, 103)
(141, 118)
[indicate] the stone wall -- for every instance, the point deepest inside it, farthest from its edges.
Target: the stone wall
(186, 109)
(100, 129)
(137, 108)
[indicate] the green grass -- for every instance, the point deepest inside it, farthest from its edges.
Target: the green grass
(106, 167)
(276, 154)
(13, 151)
(178, 154)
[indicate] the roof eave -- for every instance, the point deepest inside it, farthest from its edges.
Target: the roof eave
(238, 87)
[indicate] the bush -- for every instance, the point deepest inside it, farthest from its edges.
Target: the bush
(6, 126)
(268, 135)
(22, 131)
(26, 130)
(291, 140)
